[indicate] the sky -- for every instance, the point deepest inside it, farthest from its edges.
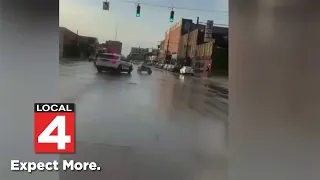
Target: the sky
(147, 31)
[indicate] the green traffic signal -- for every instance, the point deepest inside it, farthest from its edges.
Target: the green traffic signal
(138, 11)
(171, 16)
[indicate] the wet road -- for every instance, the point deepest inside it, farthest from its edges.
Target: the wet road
(145, 127)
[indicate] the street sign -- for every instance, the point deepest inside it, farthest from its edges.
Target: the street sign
(106, 6)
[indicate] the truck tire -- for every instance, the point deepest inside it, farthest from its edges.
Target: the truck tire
(130, 70)
(119, 69)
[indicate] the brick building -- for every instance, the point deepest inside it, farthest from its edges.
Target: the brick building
(112, 46)
(190, 41)
(202, 53)
(67, 40)
(87, 45)
(74, 45)
(88, 40)
(171, 42)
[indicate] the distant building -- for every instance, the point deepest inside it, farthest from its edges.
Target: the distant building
(67, 40)
(89, 40)
(112, 46)
(152, 55)
(139, 51)
(74, 45)
(172, 41)
(87, 45)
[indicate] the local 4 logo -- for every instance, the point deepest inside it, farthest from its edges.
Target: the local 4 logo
(54, 125)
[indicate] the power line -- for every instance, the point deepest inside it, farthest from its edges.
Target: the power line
(215, 24)
(221, 24)
(174, 7)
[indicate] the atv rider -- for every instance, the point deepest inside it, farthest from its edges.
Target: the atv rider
(144, 65)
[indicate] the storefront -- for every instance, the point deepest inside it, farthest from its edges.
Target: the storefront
(174, 58)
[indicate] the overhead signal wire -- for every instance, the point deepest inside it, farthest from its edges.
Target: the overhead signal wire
(174, 7)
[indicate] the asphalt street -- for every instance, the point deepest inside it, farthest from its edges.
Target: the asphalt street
(145, 127)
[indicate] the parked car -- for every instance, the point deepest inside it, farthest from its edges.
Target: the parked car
(165, 66)
(176, 69)
(187, 70)
(170, 67)
(113, 62)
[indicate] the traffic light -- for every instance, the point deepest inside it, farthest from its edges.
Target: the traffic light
(158, 46)
(138, 11)
(171, 16)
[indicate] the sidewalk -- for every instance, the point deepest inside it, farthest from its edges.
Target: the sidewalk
(221, 81)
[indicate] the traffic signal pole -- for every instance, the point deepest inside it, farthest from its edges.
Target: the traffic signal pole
(167, 48)
(168, 45)
(187, 50)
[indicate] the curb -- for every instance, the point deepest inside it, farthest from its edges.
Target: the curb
(214, 82)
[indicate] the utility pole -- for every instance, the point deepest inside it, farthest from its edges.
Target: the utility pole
(158, 55)
(158, 50)
(168, 45)
(187, 50)
(77, 38)
(116, 34)
(167, 52)
(77, 51)
(188, 43)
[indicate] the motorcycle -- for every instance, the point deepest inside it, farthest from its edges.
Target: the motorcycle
(144, 68)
